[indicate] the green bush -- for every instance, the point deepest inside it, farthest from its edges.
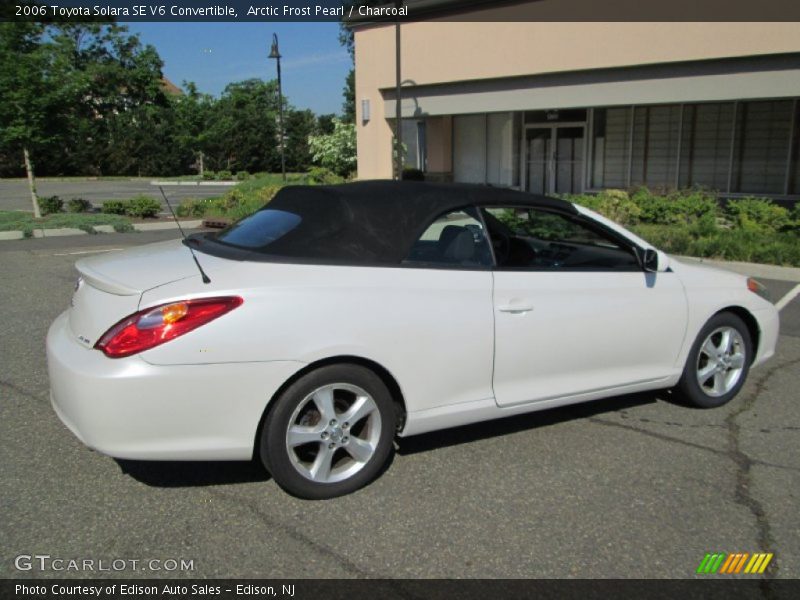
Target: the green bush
(143, 207)
(235, 204)
(242, 176)
(114, 207)
(617, 205)
(123, 227)
(190, 207)
(78, 205)
(209, 175)
(224, 175)
(685, 206)
(758, 214)
(693, 223)
(323, 176)
(725, 244)
(335, 151)
(795, 219)
(50, 204)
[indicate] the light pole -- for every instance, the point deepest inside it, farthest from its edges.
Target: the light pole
(275, 53)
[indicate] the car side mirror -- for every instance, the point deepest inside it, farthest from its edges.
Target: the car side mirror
(654, 260)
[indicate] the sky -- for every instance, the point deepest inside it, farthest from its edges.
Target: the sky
(313, 64)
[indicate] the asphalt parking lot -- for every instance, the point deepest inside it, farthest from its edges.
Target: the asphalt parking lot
(635, 486)
(14, 193)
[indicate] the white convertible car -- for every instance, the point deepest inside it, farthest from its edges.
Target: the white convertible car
(314, 331)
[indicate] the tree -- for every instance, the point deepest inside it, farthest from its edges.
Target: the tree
(349, 94)
(79, 98)
(347, 39)
(25, 96)
(335, 151)
(325, 124)
(193, 114)
(243, 135)
(300, 124)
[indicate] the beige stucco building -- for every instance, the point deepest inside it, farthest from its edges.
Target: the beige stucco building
(560, 107)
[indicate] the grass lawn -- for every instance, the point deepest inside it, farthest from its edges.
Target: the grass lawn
(12, 220)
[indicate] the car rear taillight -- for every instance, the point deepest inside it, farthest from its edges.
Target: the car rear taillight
(153, 326)
(758, 288)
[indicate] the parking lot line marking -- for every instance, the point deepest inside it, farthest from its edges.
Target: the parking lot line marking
(793, 293)
(86, 252)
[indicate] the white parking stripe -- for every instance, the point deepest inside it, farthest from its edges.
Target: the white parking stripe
(793, 293)
(87, 252)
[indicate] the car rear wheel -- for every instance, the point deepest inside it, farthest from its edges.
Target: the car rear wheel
(330, 432)
(718, 362)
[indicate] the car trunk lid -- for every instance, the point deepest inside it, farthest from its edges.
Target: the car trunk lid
(110, 286)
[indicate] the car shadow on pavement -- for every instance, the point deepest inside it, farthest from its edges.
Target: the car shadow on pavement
(544, 418)
(170, 474)
(173, 474)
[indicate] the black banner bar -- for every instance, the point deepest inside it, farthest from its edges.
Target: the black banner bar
(711, 588)
(366, 12)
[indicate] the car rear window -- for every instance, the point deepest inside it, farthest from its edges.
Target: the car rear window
(260, 229)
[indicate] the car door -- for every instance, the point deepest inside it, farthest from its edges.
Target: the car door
(443, 299)
(574, 312)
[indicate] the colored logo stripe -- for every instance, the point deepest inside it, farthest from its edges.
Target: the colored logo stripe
(711, 563)
(734, 563)
(758, 564)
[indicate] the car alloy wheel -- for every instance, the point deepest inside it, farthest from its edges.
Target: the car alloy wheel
(333, 433)
(330, 432)
(718, 362)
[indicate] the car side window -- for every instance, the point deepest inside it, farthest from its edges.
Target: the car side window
(536, 239)
(455, 239)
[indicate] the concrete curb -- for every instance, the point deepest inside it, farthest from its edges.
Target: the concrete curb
(65, 231)
(166, 225)
(194, 183)
(60, 232)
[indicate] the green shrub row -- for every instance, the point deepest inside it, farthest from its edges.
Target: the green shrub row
(50, 205)
(252, 194)
(696, 223)
(688, 207)
(724, 244)
(234, 205)
(24, 221)
(141, 207)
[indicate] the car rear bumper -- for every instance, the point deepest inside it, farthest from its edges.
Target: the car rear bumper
(128, 408)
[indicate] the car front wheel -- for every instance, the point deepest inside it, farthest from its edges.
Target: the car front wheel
(718, 362)
(330, 432)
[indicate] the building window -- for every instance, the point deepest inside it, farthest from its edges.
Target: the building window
(485, 149)
(469, 148)
(654, 147)
(610, 143)
(761, 147)
(745, 147)
(706, 145)
(414, 141)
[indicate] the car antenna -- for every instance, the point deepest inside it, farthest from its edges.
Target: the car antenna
(185, 239)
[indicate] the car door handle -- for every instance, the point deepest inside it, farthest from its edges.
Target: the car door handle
(515, 309)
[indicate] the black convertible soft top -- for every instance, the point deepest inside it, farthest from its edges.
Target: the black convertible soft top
(369, 222)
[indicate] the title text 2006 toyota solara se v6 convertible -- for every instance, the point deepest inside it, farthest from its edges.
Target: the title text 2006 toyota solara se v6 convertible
(314, 331)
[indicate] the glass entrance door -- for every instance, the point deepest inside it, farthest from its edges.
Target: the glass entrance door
(554, 159)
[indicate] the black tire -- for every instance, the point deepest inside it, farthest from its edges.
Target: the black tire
(285, 464)
(689, 386)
